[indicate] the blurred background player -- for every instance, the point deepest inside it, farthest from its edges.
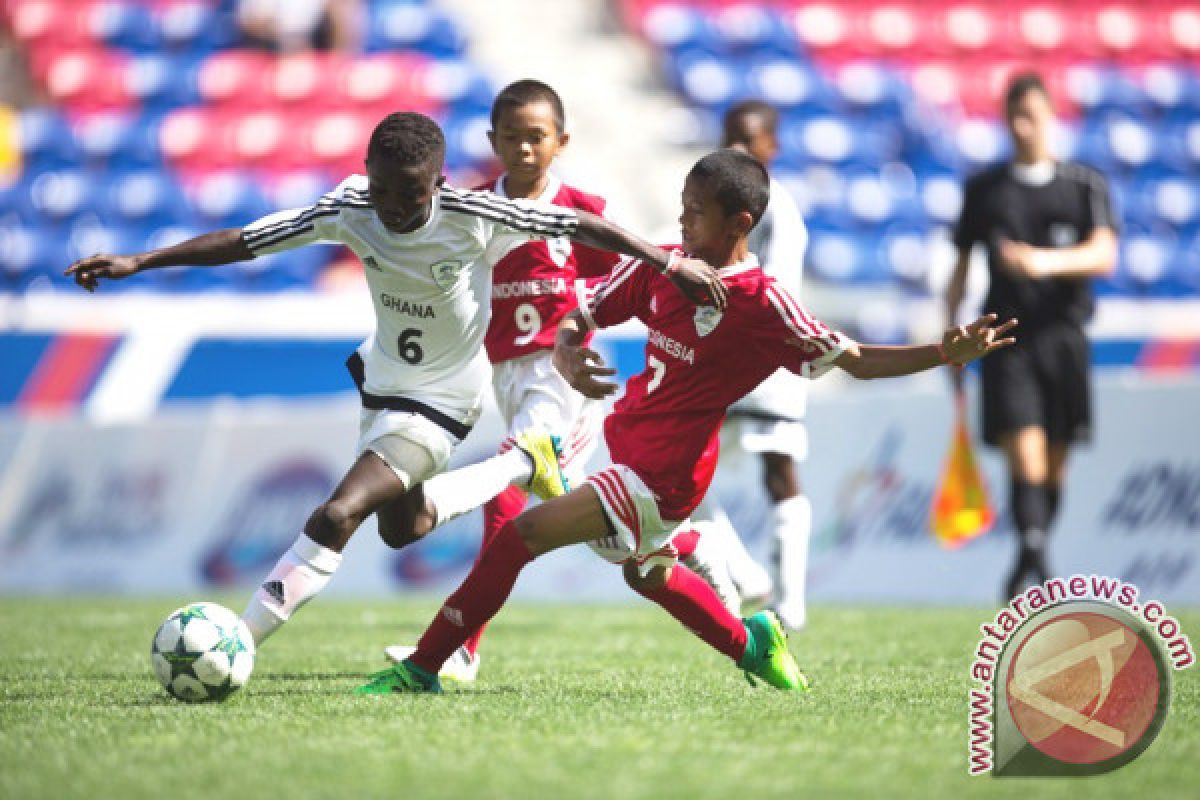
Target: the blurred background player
(292, 26)
(663, 433)
(533, 288)
(421, 373)
(1048, 228)
(767, 421)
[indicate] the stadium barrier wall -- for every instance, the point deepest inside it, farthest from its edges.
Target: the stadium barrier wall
(208, 496)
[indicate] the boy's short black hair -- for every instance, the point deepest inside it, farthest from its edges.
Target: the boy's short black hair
(407, 137)
(523, 93)
(739, 182)
(734, 123)
(1021, 85)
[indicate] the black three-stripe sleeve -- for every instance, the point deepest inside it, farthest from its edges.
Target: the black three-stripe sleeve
(284, 230)
(525, 216)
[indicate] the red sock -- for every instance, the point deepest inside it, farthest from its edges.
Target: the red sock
(497, 512)
(685, 543)
(476, 601)
(689, 599)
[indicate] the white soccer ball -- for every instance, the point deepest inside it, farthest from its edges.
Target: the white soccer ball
(202, 652)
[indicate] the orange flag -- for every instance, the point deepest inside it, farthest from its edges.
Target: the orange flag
(961, 508)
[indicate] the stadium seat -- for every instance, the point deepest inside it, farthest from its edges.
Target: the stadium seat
(226, 198)
(393, 79)
(307, 80)
(677, 26)
(127, 25)
(142, 198)
(57, 196)
(87, 79)
(787, 84)
(27, 252)
(751, 28)
(35, 22)
(406, 25)
(47, 141)
(234, 78)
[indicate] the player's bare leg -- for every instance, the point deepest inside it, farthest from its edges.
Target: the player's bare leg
(307, 566)
(1026, 453)
(791, 517)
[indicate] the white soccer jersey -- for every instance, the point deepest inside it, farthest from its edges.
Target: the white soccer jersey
(431, 287)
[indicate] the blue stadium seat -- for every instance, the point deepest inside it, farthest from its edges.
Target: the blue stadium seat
(676, 26)
(46, 139)
(751, 28)
(144, 197)
(27, 252)
(787, 84)
(196, 27)
(156, 81)
(56, 196)
(466, 140)
(708, 80)
(128, 25)
(228, 199)
(406, 25)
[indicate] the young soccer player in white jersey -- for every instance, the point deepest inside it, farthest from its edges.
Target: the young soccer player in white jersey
(533, 288)
(425, 247)
(663, 433)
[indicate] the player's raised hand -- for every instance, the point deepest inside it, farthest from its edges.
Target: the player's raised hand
(698, 281)
(582, 367)
(88, 272)
(969, 342)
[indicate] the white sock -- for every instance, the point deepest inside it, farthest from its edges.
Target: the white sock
(793, 528)
(710, 562)
(752, 580)
(302, 572)
(453, 494)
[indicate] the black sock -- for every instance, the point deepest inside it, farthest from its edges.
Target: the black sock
(1053, 495)
(1030, 513)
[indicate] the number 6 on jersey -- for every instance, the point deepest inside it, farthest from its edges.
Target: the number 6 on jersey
(409, 349)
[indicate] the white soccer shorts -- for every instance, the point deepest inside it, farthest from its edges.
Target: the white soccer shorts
(531, 394)
(641, 533)
(414, 447)
(768, 419)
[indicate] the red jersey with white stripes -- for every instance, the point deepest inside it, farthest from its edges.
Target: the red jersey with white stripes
(699, 361)
(533, 285)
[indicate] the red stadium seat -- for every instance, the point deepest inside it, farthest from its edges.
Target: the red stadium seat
(1051, 30)
(824, 29)
(394, 80)
(194, 138)
(87, 79)
(258, 137)
(1119, 30)
(338, 140)
(1182, 25)
(305, 79)
(235, 78)
(890, 30)
(54, 22)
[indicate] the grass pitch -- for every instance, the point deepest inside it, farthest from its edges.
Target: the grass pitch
(573, 702)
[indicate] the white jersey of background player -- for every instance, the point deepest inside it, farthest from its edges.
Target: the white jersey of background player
(767, 421)
(426, 250)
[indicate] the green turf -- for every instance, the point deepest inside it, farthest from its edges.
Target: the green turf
(573, 702)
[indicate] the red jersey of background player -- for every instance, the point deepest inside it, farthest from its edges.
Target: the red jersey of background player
(533, 285)
(698, 362)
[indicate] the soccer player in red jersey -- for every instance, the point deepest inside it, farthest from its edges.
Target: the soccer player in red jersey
(533, 288)
(663, 433)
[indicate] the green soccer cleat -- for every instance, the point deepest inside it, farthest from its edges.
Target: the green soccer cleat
(402, 678)
(769, 657)
(546, 453)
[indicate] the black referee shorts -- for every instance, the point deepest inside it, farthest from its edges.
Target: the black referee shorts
(1044, 380)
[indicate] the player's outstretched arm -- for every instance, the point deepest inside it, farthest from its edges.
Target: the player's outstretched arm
(208, 250)
(960, 345)
(581, 366)
(698, 281)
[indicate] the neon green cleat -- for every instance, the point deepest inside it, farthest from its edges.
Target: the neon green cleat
(402, 678)
(769, 658)
(545, 451)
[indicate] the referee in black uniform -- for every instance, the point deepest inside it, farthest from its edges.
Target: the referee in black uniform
(1048, 228)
